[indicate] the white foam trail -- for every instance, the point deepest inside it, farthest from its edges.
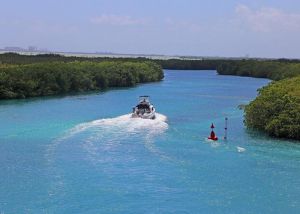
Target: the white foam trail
(124, 122)
(113, 130)
(122, 127)
(103, 135)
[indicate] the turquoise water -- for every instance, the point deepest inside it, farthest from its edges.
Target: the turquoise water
(84, 154)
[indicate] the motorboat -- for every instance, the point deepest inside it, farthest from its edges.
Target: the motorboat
(144, 109)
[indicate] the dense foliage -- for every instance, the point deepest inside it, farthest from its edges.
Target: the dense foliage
(185, 64)
(51, 78)
(277, 109)
(274, 70)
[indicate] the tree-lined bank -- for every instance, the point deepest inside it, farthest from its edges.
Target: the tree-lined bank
(53, 78)
(276, 110)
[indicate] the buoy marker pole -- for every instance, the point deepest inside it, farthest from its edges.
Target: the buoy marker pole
(226, 124)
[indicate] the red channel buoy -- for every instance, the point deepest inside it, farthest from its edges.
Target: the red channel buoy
(212, 133)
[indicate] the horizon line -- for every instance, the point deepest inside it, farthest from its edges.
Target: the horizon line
(24, 51)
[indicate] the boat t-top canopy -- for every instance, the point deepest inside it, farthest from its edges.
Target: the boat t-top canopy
(144, 98)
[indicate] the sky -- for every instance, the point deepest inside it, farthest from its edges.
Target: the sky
(225, 28)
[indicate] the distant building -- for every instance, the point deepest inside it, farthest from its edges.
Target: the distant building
(32, 48)
(13, 49)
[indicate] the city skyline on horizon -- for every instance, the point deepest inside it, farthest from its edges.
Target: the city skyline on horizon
(33, 49)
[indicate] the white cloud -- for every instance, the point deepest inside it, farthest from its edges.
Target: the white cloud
(268, 19)
(117, 20)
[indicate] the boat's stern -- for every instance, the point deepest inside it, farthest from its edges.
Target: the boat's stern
(144, 109)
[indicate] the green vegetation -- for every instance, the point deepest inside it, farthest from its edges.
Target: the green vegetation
(180, 64)
(277, 109)
(52, 78)
(272, 69)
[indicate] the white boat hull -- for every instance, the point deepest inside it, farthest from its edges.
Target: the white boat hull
(144, 116)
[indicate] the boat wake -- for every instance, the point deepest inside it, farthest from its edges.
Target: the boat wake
(125, 124)
(105, 142)
(105, 135)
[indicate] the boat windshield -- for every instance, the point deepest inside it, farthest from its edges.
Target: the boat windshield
(144, 99)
